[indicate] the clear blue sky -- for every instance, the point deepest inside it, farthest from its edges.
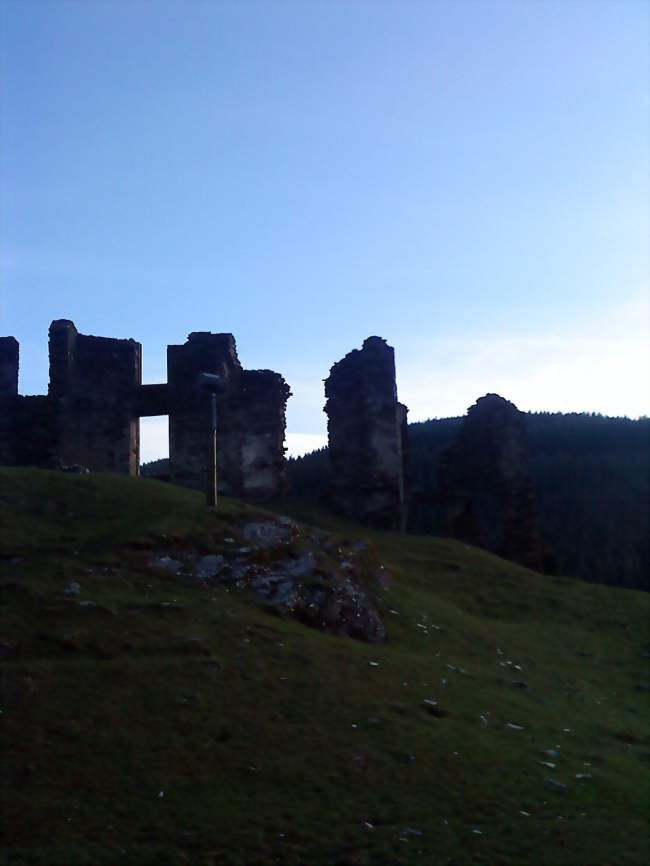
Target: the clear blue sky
(469, 180)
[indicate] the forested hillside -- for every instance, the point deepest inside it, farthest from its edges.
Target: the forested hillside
(156, 469)
(592, 483)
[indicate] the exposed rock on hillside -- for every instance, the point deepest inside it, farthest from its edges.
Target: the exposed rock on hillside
(485, 484)
(324, 586)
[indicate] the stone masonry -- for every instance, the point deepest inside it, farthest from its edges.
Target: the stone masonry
(486, 488)
(95, 399)
(94, 385)
(250, 419)
(367, 437)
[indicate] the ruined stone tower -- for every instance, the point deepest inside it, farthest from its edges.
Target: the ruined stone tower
(486, 488)
(367, 437)
(251, 419)
(94, 385)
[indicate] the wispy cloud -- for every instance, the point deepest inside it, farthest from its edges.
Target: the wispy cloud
(604, 369)
(552, 374)
(302, 443)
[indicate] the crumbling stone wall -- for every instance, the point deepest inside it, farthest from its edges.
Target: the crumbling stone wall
(96, 398)
(486, 488)
(189, 411)
(262, 420)
(9, 351)
(367, 437)
(8, 398)
(93, 383)
(250, 419)
(88, 415)
(28, 432)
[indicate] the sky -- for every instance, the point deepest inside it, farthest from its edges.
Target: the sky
(469, 180)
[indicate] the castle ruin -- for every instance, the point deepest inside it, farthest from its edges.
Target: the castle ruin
(90, 415)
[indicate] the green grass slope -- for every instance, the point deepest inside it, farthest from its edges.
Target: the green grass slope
(174, 724)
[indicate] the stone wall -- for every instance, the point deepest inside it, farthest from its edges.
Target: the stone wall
(486, 488)
(28, 432)
(189, 411)
(367, 437)
(9, 350)
(28, 425)
(93, 383)
(95, 399)
(250, 419)
(263, 397)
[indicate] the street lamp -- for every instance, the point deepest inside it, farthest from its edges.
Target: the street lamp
(211, 384)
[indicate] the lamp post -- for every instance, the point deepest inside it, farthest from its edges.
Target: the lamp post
(210, 383)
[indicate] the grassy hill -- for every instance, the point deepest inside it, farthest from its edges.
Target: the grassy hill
(149, 720)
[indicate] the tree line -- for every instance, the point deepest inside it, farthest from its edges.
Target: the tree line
(591, 475)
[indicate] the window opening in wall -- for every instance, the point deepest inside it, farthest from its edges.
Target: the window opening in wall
(154, 447)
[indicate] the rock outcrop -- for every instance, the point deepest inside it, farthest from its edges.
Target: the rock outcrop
(326, 585)
(485, 484)
(367, 437)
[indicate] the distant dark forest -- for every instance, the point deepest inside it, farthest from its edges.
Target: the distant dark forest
(592, 484)
(156, 469)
